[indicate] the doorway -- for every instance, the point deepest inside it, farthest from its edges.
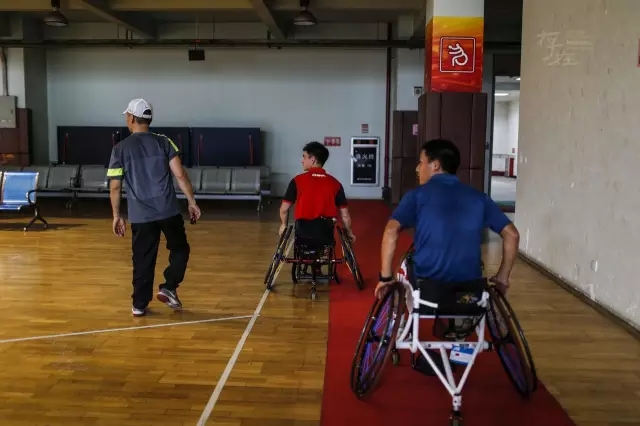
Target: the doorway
(504, 154)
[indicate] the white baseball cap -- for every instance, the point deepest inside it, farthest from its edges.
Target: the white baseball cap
(139, 108)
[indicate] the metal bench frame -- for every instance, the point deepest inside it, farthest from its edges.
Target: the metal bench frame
(29, 202)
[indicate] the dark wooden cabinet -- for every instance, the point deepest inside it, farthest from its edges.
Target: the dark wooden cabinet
(461, 118)
(15, 143)
(404, 152)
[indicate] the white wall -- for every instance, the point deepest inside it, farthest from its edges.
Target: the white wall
(505, 133)
(578, 199)
(27, 80)
(294, 95)
(16, 75)
(501, 140)
(410, 74)
(513, 119)
(35, 98)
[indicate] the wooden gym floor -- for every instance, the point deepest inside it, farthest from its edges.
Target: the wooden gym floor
(71, 353)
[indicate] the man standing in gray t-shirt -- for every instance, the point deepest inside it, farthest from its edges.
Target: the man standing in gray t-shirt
(145, 162)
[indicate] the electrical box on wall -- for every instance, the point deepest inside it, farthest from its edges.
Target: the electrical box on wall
(8, 105)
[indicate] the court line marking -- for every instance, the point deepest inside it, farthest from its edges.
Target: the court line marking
(111, 330)
(232, 362)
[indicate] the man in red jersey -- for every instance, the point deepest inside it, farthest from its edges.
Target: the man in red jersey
(317, 196)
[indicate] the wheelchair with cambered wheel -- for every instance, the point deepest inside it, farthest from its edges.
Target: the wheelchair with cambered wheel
(314, 247)
(458, 311)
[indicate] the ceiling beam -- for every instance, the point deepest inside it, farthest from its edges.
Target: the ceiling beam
(143, 27)
(5, 25)
(406, 6)
(265, 15)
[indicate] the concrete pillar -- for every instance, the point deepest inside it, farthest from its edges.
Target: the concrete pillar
(454, 46)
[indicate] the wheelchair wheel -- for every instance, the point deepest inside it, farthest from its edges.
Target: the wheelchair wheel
(377, 340)
(283, 248)
(295, 268)
(350, 258)
(511, 345)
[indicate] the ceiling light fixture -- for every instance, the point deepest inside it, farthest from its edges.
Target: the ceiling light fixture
(502, 94)
(304, 18)
(55, 18)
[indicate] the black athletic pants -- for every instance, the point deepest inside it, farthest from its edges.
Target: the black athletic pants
(145, 243)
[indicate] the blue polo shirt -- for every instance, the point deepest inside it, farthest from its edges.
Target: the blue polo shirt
(449, 218)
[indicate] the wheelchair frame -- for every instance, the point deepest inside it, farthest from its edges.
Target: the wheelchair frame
(404, 321)
(286, 243)
(414, 344)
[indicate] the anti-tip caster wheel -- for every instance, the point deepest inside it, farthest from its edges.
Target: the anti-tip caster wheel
(395, 356)
(455, 419)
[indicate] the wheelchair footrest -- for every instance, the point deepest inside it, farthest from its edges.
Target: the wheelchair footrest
(448, 330)
(319, 277)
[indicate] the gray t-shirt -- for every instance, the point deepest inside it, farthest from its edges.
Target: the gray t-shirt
(141, 161)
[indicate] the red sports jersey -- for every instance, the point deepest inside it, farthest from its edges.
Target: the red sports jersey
(316, 194)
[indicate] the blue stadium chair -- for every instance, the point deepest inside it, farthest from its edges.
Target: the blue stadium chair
(19, 192)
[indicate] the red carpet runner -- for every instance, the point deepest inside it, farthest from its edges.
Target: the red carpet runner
(405, 397)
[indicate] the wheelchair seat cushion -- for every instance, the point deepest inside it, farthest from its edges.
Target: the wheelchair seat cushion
(314, 234)
(453, 299)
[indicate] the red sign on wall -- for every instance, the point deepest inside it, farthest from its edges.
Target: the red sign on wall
(332, 140)
(458, 54)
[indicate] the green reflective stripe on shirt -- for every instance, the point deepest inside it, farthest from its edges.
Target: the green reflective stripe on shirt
(173, 144)
(115, 172)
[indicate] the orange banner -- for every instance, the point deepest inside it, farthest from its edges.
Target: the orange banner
(454, 54)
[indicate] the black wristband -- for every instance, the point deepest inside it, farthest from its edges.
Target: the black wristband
(385, 279)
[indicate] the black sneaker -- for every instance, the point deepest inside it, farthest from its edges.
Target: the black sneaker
(170, 298)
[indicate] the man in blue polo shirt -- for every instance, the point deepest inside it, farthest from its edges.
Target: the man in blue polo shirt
(449, 218)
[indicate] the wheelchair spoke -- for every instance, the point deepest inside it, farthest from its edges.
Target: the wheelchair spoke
(510, 344)
(376, 341)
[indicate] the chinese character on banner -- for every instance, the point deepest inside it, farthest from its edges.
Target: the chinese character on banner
(458, 54)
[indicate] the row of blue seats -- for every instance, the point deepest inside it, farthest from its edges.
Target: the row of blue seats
(89, 181)
(18, 192)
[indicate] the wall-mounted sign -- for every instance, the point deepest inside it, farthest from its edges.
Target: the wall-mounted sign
(365, 129)
(365, 161)
(414, 130)
(332, 141)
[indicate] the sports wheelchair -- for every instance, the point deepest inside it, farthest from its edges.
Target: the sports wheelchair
(313, 247)
(459, 310)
